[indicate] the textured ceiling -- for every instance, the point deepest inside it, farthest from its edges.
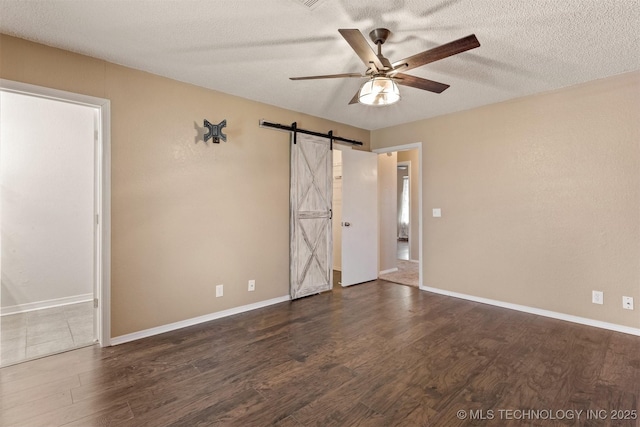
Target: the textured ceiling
(249, 48)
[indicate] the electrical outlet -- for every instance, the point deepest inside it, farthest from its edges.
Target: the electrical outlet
(597, 297)
(252, 285)
(219, 291)
(627, 303)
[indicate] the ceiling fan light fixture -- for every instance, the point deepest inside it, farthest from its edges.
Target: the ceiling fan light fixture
(379, 91)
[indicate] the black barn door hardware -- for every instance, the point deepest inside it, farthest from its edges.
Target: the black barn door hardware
(295, 129)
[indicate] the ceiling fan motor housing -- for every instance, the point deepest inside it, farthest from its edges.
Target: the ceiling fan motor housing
(379, 35)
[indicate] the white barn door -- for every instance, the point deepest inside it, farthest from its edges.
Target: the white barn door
(311, 195)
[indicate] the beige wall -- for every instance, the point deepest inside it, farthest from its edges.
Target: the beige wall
(411, 156)
(186, 216)
(540, 199)
(387, 212)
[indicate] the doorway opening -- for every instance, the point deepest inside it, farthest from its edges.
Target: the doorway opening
(54, 222)
(400, 205)
(390, 244)
(337, 216)
(403, 196)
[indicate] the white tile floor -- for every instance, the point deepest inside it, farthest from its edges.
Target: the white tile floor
(39, 333)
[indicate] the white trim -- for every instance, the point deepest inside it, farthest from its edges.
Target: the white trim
(538, 311)
(405, 147)
(41, 305)
(104, 210)
(196, 320)
(49, 93)
(103, 193)
(391, 270)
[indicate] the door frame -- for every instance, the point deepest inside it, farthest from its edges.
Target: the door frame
(406, 147)
(102, 187)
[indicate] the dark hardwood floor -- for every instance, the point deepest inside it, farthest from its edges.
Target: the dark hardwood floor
(376, 354)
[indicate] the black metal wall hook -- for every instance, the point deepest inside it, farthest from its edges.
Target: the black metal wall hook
(215, 131)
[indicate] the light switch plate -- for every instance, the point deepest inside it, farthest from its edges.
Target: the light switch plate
(627, 303)
(437, 212)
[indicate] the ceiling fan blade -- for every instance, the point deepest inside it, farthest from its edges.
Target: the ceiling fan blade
(440, 52)
(362, 48)
(354, 100)
(420, 83)
(328, 76)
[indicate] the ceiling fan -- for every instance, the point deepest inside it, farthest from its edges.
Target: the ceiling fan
(381, 88)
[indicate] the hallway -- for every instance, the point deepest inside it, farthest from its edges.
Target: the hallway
(38, 333)
(408, 270)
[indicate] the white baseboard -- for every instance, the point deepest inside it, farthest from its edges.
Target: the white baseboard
(41, 305)
(195, 320)
(538, 311)
(391, 270)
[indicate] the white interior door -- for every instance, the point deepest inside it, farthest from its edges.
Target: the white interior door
(311, 192)
(359, 217)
